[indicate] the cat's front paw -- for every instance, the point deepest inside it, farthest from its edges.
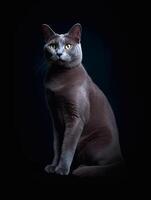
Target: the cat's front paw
(50, 168)
(62, 170)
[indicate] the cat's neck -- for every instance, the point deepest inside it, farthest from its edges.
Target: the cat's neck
(59, 74)
(59, 69)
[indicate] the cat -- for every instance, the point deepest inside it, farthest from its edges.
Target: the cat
(85, 133)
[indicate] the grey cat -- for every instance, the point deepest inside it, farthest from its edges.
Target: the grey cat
(85, 133)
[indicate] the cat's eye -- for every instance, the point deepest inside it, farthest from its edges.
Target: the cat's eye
(68, 46)
(54, 46)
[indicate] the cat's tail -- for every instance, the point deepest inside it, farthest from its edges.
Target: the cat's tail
(94, 171)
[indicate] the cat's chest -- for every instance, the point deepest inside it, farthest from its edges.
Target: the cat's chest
(55, 85)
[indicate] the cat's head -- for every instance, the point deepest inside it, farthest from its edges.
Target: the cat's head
(63, 49)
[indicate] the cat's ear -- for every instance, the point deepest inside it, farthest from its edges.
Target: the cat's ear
(47, 32)
(75, 32)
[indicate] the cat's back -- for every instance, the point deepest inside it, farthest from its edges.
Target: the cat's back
(101, 113)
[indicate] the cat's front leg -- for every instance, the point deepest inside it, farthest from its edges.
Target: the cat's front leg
(50, 168)
(71, 137)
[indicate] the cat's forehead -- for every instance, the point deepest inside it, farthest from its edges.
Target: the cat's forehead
(62, 38)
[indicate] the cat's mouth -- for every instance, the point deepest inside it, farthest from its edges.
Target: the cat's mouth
(60, 61)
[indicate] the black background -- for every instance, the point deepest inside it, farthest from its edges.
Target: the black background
(109, 54)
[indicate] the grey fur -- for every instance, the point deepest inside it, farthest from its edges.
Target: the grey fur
(79, 110)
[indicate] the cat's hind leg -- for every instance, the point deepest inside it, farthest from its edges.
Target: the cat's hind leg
(97, 171)
(99, 157)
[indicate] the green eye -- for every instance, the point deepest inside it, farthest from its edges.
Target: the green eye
(54, 46)
(68, 46)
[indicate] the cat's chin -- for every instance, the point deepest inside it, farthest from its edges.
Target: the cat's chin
(60, 62)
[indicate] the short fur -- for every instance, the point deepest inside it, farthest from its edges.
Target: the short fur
(85, 133)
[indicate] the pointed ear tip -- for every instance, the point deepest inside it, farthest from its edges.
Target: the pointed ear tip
(78, 24)
(45, 26)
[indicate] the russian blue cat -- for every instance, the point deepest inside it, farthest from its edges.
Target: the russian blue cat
(85, 134)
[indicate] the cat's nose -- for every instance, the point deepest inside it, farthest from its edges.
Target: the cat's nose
(59, 54)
